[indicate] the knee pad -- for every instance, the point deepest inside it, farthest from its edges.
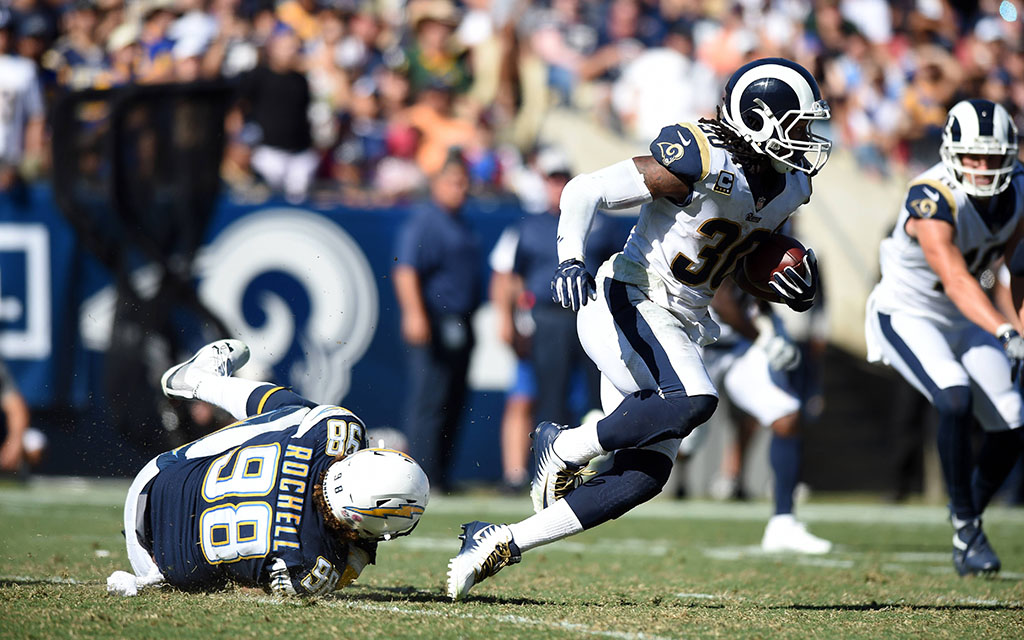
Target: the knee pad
(701, 410)
(646, 417)
(636, 476)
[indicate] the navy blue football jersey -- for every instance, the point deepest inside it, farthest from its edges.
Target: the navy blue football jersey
(239, 502)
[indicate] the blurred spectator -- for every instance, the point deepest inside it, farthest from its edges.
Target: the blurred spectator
(157, 63)
(125, 56)
(440, 128)
(664, 84)
(931, 91)
(437, 283)
(300, 15)
(515, 327)
(364, 138)
(556, 352)
(276, 98)
(359, 52)
(433, 56)
(22, 115)
(563, 40)
(77, 59)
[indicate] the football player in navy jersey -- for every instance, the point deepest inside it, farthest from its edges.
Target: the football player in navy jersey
(288, 498)
(710, 192)
(930, 319)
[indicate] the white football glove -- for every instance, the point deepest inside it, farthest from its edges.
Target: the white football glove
(782, 354)
(1013, 344)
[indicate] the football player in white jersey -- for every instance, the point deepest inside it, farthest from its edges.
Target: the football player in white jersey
(930, 320)
(711, 191)
(21, 110)
(752, 362)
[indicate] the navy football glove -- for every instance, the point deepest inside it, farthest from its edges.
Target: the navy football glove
(572, 286)
(1013, 344)
(798, 291)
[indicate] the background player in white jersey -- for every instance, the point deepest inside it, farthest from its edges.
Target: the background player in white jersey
(931, 321)
(21, 110)
(752, 361)
(288, 498)
(711, 191)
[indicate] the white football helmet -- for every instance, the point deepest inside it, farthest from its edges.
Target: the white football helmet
(771, 104)
(380, 493)
(979, 127)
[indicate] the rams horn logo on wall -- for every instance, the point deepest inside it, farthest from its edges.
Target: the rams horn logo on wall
(239, 269)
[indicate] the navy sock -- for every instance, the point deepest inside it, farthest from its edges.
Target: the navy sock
(647, 417)
(954, 442)
(269, 397)
(785, 455)
(999, 452)
(636, 476)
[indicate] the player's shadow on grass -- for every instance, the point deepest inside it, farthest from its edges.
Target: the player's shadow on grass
(416, 595)
(879, 606)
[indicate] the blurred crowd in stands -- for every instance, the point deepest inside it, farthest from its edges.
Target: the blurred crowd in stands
(362, 99)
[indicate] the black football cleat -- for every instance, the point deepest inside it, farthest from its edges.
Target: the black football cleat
(972, 554)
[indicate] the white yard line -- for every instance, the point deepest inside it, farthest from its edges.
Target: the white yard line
(561, 625)
(48, 580)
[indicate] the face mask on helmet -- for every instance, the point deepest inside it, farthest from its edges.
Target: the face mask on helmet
(771, 103)
(379, 493)
(976, 128)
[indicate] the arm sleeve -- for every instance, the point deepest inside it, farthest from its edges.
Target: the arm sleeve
(619, 186)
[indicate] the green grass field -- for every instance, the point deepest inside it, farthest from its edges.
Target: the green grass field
(667, 570)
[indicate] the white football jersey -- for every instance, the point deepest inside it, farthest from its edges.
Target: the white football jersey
(20, 100)
(908, 282)
(680, 252)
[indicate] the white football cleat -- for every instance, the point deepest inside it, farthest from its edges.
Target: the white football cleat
(785, 533)
(221, 358)
(486, 549)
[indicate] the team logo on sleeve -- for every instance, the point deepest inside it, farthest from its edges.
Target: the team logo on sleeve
(670, 152)
(924, 207)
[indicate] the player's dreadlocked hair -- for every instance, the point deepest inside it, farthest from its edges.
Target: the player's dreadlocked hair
(738, 148)
(342, 531)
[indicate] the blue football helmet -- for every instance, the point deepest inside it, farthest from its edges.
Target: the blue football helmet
(771, 103)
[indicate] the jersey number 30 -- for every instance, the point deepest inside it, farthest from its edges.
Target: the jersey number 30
(716, 259)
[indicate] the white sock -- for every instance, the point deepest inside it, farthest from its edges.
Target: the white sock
(230, 394)
(579, 445)
(554, 523)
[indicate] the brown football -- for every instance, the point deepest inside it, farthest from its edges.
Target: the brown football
(775, 253)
